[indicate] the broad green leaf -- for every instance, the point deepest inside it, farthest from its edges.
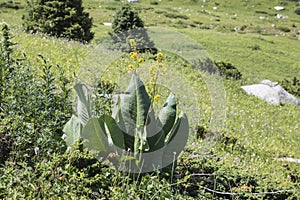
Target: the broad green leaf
(155, 134)
(117, 115)
(177, 140)
(94, 136)
(83, 104)
(135, 105)
(167, 115)
(72, 129)
(114, 131)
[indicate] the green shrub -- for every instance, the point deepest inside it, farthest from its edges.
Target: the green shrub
(34, 106)
(228, 70)
(175, 15)
(225, 69)
(11, 4)
(284, 29)
(103, 92)
(128, 25)
(65, 18)
(297, 10)
(292, 86)
(66, 176)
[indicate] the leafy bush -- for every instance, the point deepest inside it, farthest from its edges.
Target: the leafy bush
(292, 86)
(57, 177)
(65, 18)
(228, 70)
(284, 29)
(128, 25)
(11, 4)
(297, 10)
(102, 93)
(223, 68)
(34, 107)
(175, 15)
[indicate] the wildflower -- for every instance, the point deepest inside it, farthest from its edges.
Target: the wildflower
(36, 150)
(160, 65)
(131, 67)
(69, 149)
(133, 55)
(64, 136)
(152, 69)
(151, 83)
(165, 70)
(159, 57)
(140, 60)
(236, 160)
(156, 97)
(132, 42)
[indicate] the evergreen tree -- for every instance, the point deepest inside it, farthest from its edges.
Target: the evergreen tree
(60, 18)
(128, 25)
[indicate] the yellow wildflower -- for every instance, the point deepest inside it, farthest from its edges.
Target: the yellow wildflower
(132, 42)
(156, 97)
(140, 60)
(152, 69)
(151, 83)
(165, 70)
(159, 56)
(131, 67)
(133, 55)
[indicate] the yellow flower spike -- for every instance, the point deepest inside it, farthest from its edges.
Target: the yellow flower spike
(160, 65)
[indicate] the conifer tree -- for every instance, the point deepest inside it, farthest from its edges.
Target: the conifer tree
(128, 25)
(60, 18)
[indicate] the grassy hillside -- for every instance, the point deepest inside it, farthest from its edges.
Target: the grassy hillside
(243, 163)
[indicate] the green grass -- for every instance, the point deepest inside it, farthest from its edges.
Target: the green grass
(254, 132)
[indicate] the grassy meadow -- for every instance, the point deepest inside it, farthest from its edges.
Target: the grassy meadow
(243, 163)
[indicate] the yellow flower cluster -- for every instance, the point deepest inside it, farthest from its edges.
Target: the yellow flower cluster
(155, 70)
(135, 58)
(133, 55)
(132, 43)
(156, 97)
(159, 57)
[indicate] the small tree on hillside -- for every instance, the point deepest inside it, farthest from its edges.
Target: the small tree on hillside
(128, 25)
(60, 18)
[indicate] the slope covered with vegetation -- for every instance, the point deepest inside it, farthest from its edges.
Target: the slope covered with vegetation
(244, 162)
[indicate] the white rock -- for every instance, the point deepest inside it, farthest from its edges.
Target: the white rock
(271, 92)
(287, 159)
(107, 23)
(279, 8)
(279, 16)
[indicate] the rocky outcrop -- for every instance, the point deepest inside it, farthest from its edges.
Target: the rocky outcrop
(271, 92)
